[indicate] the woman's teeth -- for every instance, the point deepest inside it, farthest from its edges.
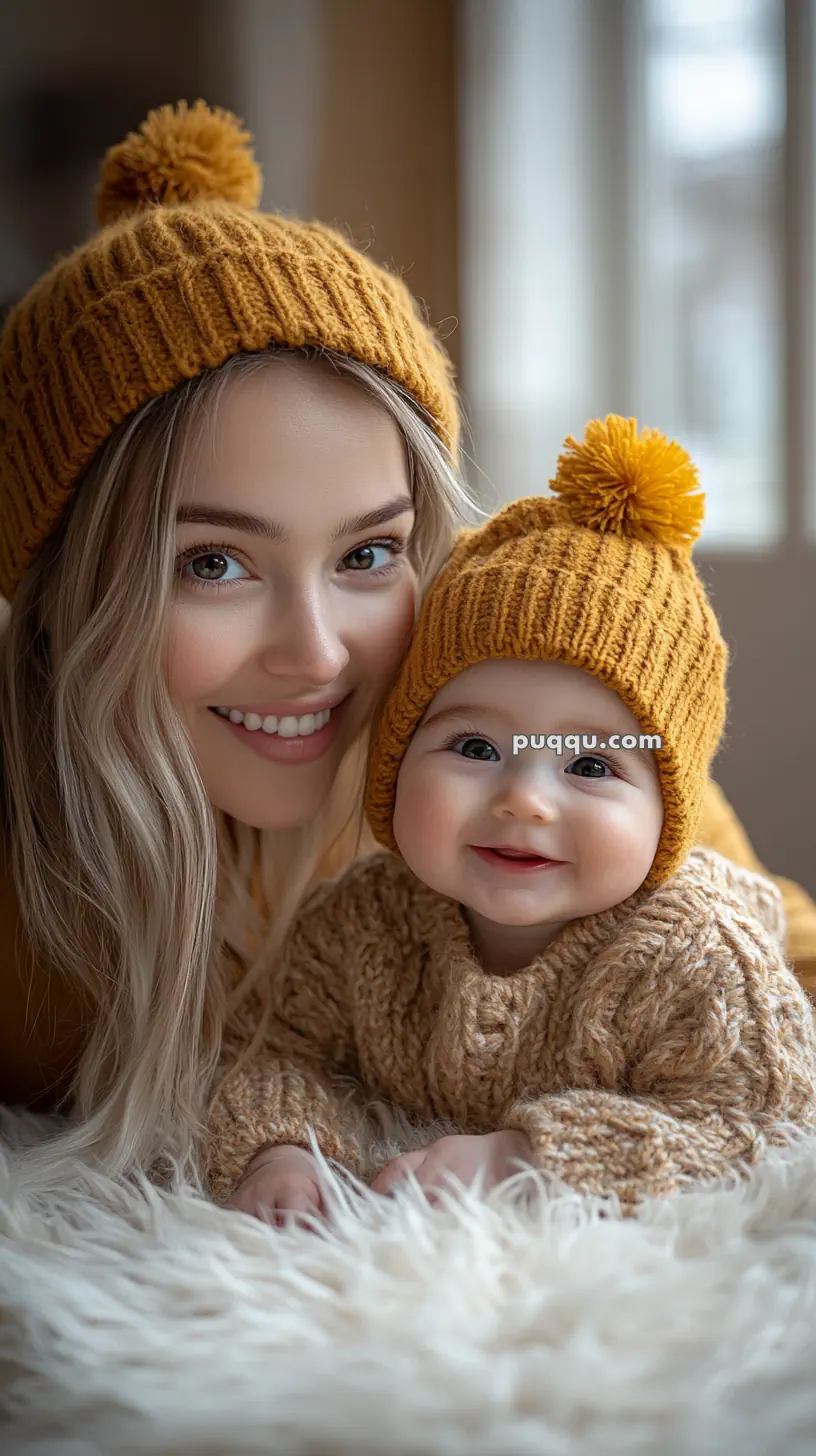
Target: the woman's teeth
(289, 727)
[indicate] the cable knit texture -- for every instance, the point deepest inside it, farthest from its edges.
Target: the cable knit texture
(184, 274)
(652, 1046)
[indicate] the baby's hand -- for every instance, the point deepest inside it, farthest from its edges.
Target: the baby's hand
(279, 1182)
(498, 1153)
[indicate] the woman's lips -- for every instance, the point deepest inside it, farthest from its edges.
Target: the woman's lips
(515, 861)
(289, 750)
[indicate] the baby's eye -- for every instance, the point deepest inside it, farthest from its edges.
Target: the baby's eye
(588, 767)
(476, 748)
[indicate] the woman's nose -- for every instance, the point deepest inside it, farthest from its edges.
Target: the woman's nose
(303, 644)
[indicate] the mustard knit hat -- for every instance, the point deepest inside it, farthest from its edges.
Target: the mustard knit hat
(599, 576)
(184, 274)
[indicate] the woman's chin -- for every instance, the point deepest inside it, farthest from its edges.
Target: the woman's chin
(283, 806)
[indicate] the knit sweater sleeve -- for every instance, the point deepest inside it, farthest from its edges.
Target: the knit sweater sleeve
(303, 1075)
(712, 1047)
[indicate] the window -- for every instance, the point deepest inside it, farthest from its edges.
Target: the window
(709, 226)
(639, 238)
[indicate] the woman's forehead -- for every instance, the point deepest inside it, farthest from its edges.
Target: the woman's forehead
(295, 446)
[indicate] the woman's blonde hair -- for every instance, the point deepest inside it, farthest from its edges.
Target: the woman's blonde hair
(146, 900)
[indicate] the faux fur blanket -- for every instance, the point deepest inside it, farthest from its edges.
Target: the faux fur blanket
(533, 1323)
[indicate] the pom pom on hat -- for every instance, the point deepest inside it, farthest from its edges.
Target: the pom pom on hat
(179, 155)
(644, 487)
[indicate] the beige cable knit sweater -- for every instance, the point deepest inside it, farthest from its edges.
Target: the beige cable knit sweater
(648, 1047)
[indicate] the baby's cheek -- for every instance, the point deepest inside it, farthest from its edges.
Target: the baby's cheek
(617, 852)
(424, 817)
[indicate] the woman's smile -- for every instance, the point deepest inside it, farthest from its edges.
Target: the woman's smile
(288, 739)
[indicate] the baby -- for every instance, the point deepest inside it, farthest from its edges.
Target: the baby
(539, 954)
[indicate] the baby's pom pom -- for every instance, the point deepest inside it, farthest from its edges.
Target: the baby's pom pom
(642, 486)
(179, 154)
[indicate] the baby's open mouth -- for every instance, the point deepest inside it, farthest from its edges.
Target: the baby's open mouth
(509, 854)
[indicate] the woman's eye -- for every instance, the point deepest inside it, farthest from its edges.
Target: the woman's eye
(209, 566)
(587, 767)
(476, 748)
(371, 557)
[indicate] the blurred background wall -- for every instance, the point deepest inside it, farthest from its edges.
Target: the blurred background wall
(603, 204)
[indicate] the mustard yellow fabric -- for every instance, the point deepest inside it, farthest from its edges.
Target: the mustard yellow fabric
(720, 829)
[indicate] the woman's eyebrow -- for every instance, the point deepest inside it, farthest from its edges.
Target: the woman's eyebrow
(396, 507)
(251, 525)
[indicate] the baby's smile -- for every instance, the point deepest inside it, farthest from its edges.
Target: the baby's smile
(511, 860)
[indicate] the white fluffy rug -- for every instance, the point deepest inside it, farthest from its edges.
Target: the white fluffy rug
(137, 1321)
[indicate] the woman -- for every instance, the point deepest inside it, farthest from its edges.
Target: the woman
(227, 472)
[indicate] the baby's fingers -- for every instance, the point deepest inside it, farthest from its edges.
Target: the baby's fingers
(298, 1198)
(398, 1169)
(274, 1200)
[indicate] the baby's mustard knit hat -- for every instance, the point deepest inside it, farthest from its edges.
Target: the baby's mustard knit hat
(183, 274)
(599, 575)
